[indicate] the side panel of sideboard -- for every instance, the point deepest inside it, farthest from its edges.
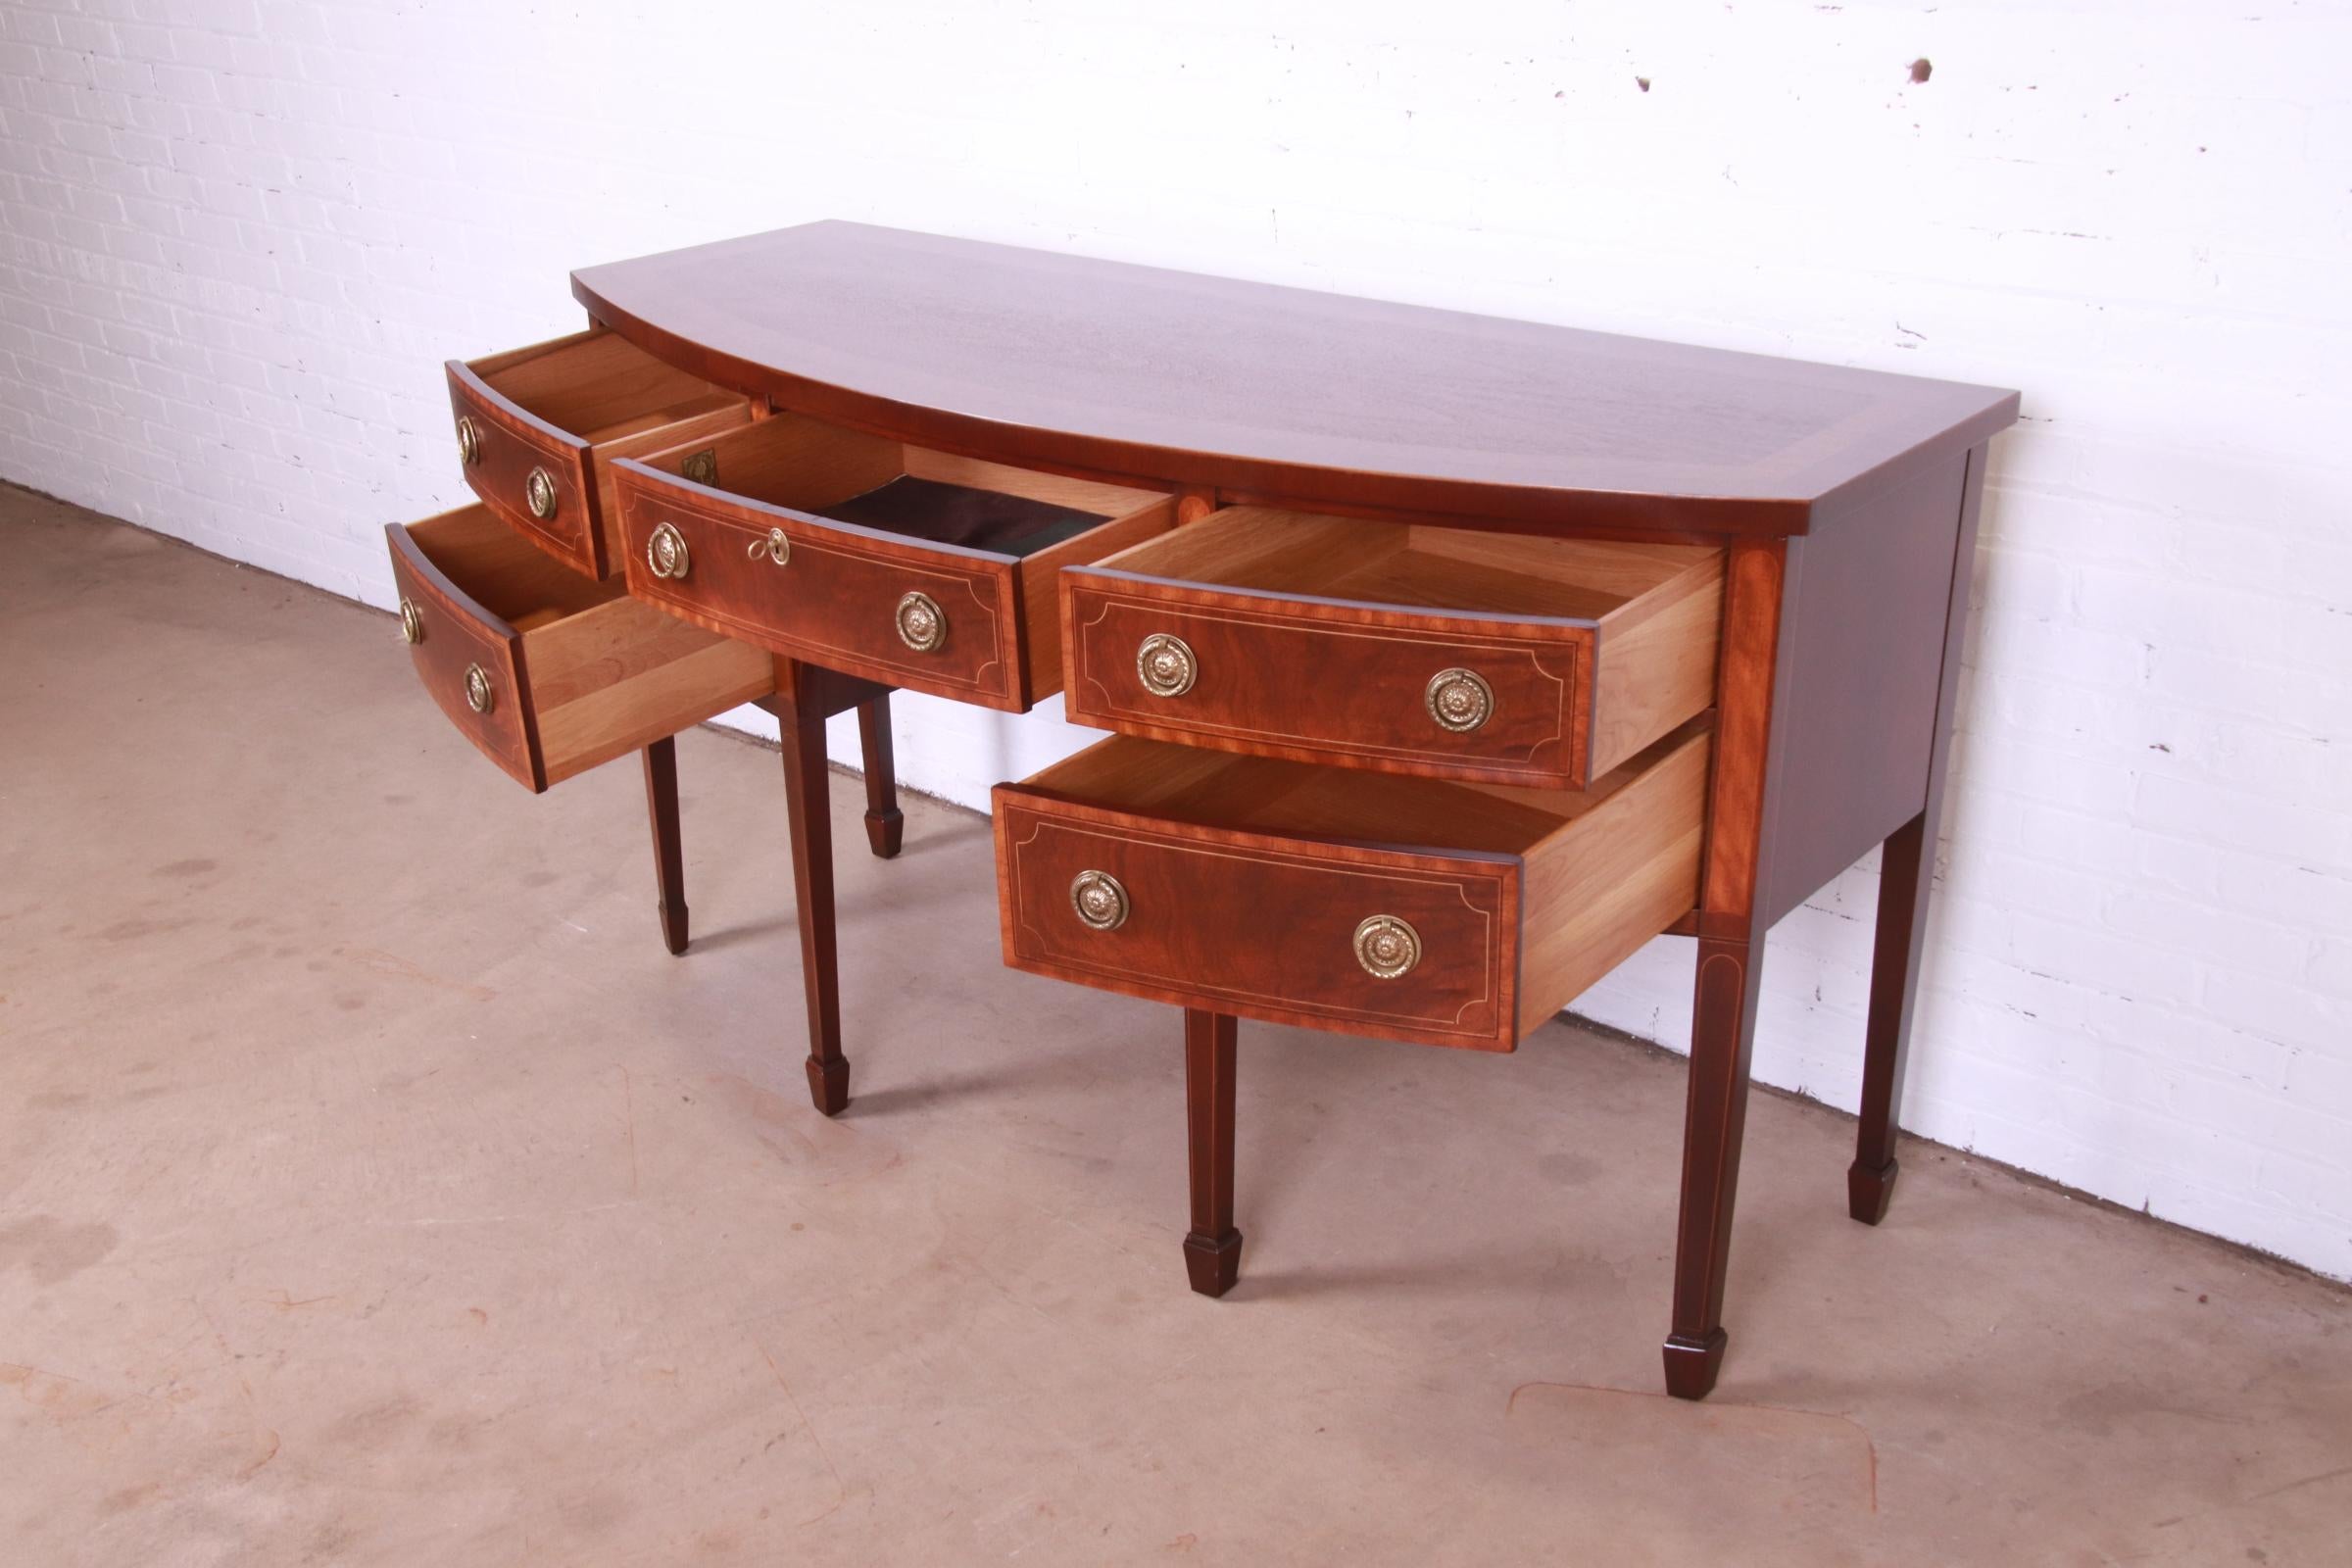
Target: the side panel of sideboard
(1866, 600)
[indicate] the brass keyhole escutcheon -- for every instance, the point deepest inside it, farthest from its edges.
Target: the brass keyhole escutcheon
(411, 623)
(539, 490)
(470, 440)
(478, 695)
(1100, 900)
(1459, 700)
(1164, 664)
(1386, 946)
(922, 625)
(775, 547)
(665, 553)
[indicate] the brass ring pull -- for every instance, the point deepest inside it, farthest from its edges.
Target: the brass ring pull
(665, 553)
(1459, 700)
(922, 625)
(1165, 666)
(539, 490)
(478, 695)
(1100, 900)
(412, 622)
(775, 547)
(1386, 946)
(470, 440)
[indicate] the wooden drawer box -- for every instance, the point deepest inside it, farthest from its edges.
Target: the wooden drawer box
(1409, 907)
(1444, 651)
(872, 557)
(537, 426)
(548, 673)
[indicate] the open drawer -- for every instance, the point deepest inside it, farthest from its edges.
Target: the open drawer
(1447, 652)
(537, 426)
(1414, 909)
(872, 557)
(547, 672)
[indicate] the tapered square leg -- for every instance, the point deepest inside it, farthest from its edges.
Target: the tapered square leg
(1212, 1252)
(1723, 1029)
(808, 810)
(885, 828)
(1905, 870)
(669, 854)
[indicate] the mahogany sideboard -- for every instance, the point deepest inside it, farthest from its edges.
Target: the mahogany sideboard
(1449, 658)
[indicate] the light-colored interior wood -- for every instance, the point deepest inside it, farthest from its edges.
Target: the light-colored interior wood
(806, 465)
(1270, 795)
(792, 461)
(606, 673)
(505, 573)
(1656, 665)
(1041, 579)
(1081, 495)
(1411, 565)
(599, 387)
(1599, 887)
(622, 675)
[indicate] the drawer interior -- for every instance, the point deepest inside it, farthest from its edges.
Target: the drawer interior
(601, 387)
(1270, 795)
(1411, 566)
(601, 673)
(503, 574)
(894, 487)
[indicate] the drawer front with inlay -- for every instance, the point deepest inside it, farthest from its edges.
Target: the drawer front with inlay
(1403, 945)
(850, 598)
(546, 672)
(465, 658)
(872, 557)
(1448, 652)
(537, 426)
(533, 474)
(1328, 682)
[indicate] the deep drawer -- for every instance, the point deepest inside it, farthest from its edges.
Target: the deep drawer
(1444, 651)
(537, 427)
(548, 673)
(875, 558)
(1408, 907)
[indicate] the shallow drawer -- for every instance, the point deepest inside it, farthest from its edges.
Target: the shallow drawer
(1445, 652)
(537, 426)
(1414, 909)
(547, 672)
(872, 557)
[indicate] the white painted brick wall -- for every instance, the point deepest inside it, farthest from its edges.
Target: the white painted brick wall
(241, 235)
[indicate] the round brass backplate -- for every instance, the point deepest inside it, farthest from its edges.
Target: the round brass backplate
(1386, 946)
(665, 553)
(1100, 900)
(922, 625)
(478, 693)
(1164, 664)
(470, 440)
(411, 623)
(539, 490)
(1458, 699)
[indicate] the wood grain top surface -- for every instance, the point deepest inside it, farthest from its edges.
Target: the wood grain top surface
(1271, 392)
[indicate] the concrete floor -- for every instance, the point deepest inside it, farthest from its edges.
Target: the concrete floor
(374, 1190)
